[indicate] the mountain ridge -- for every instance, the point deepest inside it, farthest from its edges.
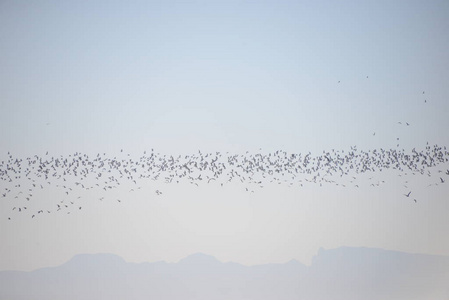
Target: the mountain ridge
(341, 273)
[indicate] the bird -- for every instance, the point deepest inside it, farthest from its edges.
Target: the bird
(408, 195)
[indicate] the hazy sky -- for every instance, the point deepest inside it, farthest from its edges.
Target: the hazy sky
(179, 76)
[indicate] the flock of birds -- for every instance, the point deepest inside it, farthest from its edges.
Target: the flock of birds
(21, 177)
(78, 172)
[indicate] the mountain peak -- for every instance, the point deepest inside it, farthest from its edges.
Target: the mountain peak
(199, 259)
(293, 262)
(98, 259)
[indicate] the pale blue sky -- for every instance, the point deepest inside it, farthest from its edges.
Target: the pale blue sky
(108, 74)
(179, 76)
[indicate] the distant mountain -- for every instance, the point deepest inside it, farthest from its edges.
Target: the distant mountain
(199, 259)
(342, 273)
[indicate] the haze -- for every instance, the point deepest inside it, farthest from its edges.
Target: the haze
(237, 76)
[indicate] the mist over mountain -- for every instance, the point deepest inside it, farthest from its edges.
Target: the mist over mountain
(342, 273)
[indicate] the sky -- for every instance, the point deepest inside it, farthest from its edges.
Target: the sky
(182, 76)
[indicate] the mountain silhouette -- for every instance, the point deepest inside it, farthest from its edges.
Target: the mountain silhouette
(342, 273)
(199, 259)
